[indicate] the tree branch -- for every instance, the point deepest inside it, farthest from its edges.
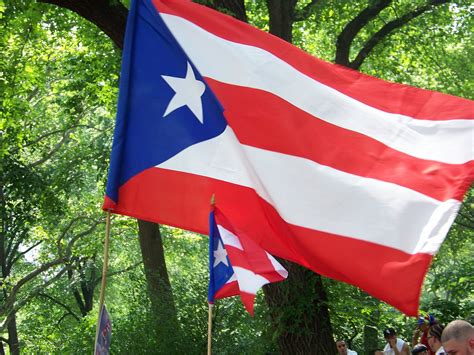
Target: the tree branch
(76, 237)
(31, 276)
(9, 310)
(64, 140)
(76, 294)
(109, 15)
(70, 225)
(66, 307)
(467, 218)
(12, 248)
(350, 31)
(110, 274)
(464, 225)
(20, 254)
(62, 318)
(64, 257)
(389, 28)
(51, 133)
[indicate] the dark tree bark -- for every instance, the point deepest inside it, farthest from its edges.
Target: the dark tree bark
(236, 8)
(281, 13)
(300, 313)
(13, 336)
(11, 326)
(156, 273)
(350, 31)
(159, 286)
(84, 295)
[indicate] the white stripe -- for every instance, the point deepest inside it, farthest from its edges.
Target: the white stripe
(249, 281)
(229, 238)
(450, 141)
(277, 266)
(318, 197)
(232, 279)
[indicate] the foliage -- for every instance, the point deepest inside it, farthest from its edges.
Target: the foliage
(58, 89)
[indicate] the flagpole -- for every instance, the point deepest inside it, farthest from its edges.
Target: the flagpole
(209, 329)
(105, 267)
(211, 305)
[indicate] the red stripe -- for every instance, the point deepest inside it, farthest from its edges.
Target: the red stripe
(183, 200)
(248, 301)
(253, 260)
(386, 96)
(228, 290)
(385, 273)
(252, 257)
(334, 146)
(258, 263)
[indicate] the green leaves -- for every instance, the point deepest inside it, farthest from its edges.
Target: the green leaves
(58, 90)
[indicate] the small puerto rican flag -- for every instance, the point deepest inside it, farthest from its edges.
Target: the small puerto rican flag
(238, 265)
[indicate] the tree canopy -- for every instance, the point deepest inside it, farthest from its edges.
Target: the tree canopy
(59, 72)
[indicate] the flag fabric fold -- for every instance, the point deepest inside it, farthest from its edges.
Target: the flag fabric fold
(353, 177)
(238, 266)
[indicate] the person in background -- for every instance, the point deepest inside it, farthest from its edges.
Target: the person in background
(458, 338)
(395, 346)
(342, 348)
(434, 339)
(422, 326)
(420, 349)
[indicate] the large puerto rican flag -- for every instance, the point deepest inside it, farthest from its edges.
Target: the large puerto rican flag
(353, 177)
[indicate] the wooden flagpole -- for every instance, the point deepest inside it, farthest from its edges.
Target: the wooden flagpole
(105, 267)
(211, 306)
(209, 330)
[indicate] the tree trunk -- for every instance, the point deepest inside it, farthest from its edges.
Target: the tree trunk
(300, 314)
(13, 336)
(159, 287)
(281, 18)
(5, 272)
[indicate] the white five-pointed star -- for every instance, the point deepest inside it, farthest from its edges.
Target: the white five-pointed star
(220, 255)
(188, 92)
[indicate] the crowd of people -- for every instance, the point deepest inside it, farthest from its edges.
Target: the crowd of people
(429, 338)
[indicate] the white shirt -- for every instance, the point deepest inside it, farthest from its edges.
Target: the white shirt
(351, 352)
(389, 351)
